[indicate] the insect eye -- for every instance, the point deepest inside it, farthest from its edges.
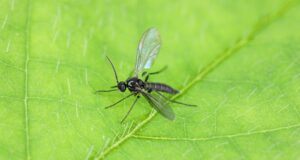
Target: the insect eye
(122, 86)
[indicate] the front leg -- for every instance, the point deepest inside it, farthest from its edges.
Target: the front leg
(119, 101)
(137, 98)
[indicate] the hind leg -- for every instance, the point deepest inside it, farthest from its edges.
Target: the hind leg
(153, 73)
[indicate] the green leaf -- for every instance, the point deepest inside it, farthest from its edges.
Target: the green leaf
(237, 60)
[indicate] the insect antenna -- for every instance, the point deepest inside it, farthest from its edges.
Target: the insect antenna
(116, 76)
(113, 67)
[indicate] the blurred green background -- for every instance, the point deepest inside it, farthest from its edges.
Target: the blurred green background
(237, 60)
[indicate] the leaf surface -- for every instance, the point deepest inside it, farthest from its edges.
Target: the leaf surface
(238, 61)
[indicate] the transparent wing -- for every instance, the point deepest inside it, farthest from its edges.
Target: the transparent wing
(159, 103)
(147, 50)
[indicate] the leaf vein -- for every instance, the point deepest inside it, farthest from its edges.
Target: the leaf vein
(242, 42)
(27, 50)
(242, 134)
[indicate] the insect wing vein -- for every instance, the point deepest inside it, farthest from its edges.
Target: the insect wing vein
(147, 50)
(160, 104)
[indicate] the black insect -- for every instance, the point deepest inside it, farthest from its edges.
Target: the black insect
(147, 51)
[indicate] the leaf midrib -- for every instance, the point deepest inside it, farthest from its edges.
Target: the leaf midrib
(262, 23)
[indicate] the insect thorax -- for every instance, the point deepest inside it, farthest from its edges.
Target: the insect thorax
(134, 84)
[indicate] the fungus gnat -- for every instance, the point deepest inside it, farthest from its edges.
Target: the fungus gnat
(147, 51)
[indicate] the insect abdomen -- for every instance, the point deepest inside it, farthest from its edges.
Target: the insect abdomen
(160, 87)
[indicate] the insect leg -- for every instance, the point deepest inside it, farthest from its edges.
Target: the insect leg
(110, 90)
(130, 109)
(119, 101)
(153, 73)
(159, 71)
(190, 105)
